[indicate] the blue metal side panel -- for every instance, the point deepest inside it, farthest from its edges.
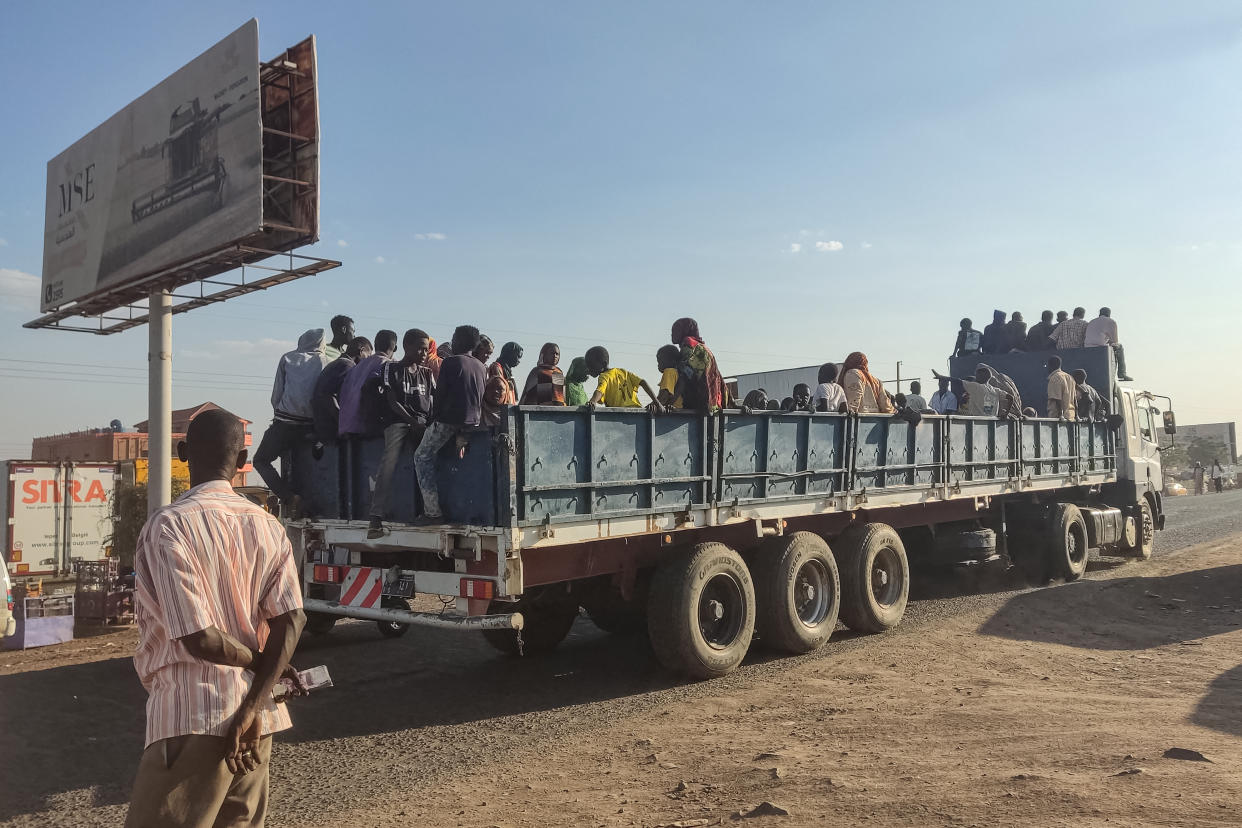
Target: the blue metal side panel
(467, 484)
(1095, 447)
(774, 456)
(321, 483)
(404, 503)
(608, 462)
(982, 448)
(892, 453)
(1048, 447)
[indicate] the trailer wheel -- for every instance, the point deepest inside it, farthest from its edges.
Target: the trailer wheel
(1067, 541)
(320, 623)
(393, 629)
(875, 577)
(797, 592)
(701, 613)
(546, 623)
(1140, 542)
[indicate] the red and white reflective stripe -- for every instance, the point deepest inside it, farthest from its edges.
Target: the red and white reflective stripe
(362, 586)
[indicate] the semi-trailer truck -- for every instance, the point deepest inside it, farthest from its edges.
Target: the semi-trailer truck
(709, 530)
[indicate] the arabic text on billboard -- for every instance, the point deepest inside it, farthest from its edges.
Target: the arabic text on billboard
(175, 174)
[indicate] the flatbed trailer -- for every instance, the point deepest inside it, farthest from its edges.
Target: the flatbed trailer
(709, 530)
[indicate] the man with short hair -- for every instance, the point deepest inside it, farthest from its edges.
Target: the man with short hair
(616, 387)
(802, 397)
(359, 391)
(1015, 333)
(914, 400)
(1102, 332)
(219, 612)
(1091, 406)
(1071, 333)
(944, 401)
(1039, 337)
(458, 406)
(969, 341)
(995, 336)
(1062, 392)
(342, 333)
(326, 399)
(408, 388)
(829, 396)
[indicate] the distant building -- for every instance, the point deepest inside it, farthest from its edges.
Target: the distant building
(108, 445)
(1223, 433)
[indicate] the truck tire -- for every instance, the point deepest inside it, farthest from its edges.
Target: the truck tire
(393, 629)
(875, 577)
(1067, 541)
(797, 592)
(547, 622)
(1142, 541)
(701, 612)
(320, 623)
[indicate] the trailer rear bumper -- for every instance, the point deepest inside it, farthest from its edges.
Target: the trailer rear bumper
(507, 621)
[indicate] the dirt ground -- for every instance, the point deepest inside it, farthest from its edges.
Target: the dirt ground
(1038, 707)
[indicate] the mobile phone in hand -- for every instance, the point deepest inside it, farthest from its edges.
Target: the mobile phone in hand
(314, 678)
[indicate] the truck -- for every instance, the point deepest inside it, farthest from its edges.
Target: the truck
(709, 531)
(55, 513)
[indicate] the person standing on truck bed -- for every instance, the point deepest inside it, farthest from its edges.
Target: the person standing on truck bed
(703, 387)
(863, 392)
(1071, 333)
(969, 341)
(408, 388)
(995, 336)
(1091, 406)
(458, 406)
(219, 612)
(944, 401)
(292, 413)
(1062, 392)
(545, 384)
(326, 399)
(575, 392)
(342, 332)
(829, 395)
(501, 391)
(667, 359)
(434, 360)
(1102, 332)
(616, 387)
(1039, 337)
(359, 409)
(914, 400)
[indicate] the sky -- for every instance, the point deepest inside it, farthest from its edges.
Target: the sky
(804, 178)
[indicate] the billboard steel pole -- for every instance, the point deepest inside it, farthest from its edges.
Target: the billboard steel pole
(159, 401)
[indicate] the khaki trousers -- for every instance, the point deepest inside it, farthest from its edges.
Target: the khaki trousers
(183, 781)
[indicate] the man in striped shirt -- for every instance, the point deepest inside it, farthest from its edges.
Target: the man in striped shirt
(219, 613)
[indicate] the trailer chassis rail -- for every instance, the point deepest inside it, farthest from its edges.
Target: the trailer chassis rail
(508, 621)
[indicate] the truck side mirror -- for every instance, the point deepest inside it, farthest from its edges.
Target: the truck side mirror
(1115, 421)
(1170, 423)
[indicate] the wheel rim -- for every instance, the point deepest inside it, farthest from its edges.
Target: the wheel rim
(1149, 527)
(812, 593)
(722, 611)
(1076, 544)
(886, 577)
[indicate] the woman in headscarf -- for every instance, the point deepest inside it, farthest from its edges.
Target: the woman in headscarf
(434, 361)
(545, 385)
(575, 394)
(500, 391)
(863, 392)
(705, 390)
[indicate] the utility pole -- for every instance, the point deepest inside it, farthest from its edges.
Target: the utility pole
(159, 400)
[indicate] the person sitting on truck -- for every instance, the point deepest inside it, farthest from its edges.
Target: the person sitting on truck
(944, 401)
(434, 360)
(501, 390)
(703, 388)
(483, 350)
(342, 334)
(326, 398)
(988, 394)
(545, 384)
(1011, 400)
(668, 357)
(1072, 332)
(575, 392)
(829, 395)
(1062, 392)
(292, 412)
(1102, 332)
(1039, 337)
(969, 341)
(1015, 333)
(915, 398)
(1091, 406)
(616, 387)
(444, 351)
(995, 337)
(359, 400)
(756, 400)
(511, 354)
(802, 397)
(458, 406)
(863, 392)
(407, 388)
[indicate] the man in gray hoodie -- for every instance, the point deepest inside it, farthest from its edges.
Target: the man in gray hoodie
(293, 414)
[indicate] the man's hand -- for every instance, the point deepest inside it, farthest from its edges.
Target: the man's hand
(298, 688)
(655, 408)
(241, 742)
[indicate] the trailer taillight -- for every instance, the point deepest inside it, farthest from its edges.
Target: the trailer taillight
(477, 588)
(328, 574)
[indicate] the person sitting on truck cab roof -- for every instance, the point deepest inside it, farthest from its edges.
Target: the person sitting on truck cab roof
(1039, 337)
(545, 384)
(969, 341)
(326, 399)
(359, 400)
(408, 388)
(1015, 333)
(575, 393)
(995, 336)
(458, 406)
(667, 359)
(1062, 392)
(1072, 332)
(1101, 332)
(829, 396)
(616, 387)
(863, 392)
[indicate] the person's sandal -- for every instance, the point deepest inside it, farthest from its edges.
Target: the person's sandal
(375, 529)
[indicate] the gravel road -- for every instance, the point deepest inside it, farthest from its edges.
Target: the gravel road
(411, 712)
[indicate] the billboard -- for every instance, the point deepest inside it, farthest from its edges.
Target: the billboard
(176, 174)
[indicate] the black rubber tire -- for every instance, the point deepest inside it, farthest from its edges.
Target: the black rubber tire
(320, 623)
(797, 592)
(546, 623)
(1067, 541)
(687, 586)
(858, 551)
(393, 629)
(1145, 526)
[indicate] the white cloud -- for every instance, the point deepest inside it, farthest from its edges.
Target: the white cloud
(866, 245)
(380, 260)
(430, 236)
(342, 243)
(829, 246)
(795, 248)
(18, 290)
(234, 348)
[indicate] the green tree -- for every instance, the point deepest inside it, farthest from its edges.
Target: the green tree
(129, 505)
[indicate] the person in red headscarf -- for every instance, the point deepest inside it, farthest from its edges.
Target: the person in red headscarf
(704, 389)
(863, 392)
